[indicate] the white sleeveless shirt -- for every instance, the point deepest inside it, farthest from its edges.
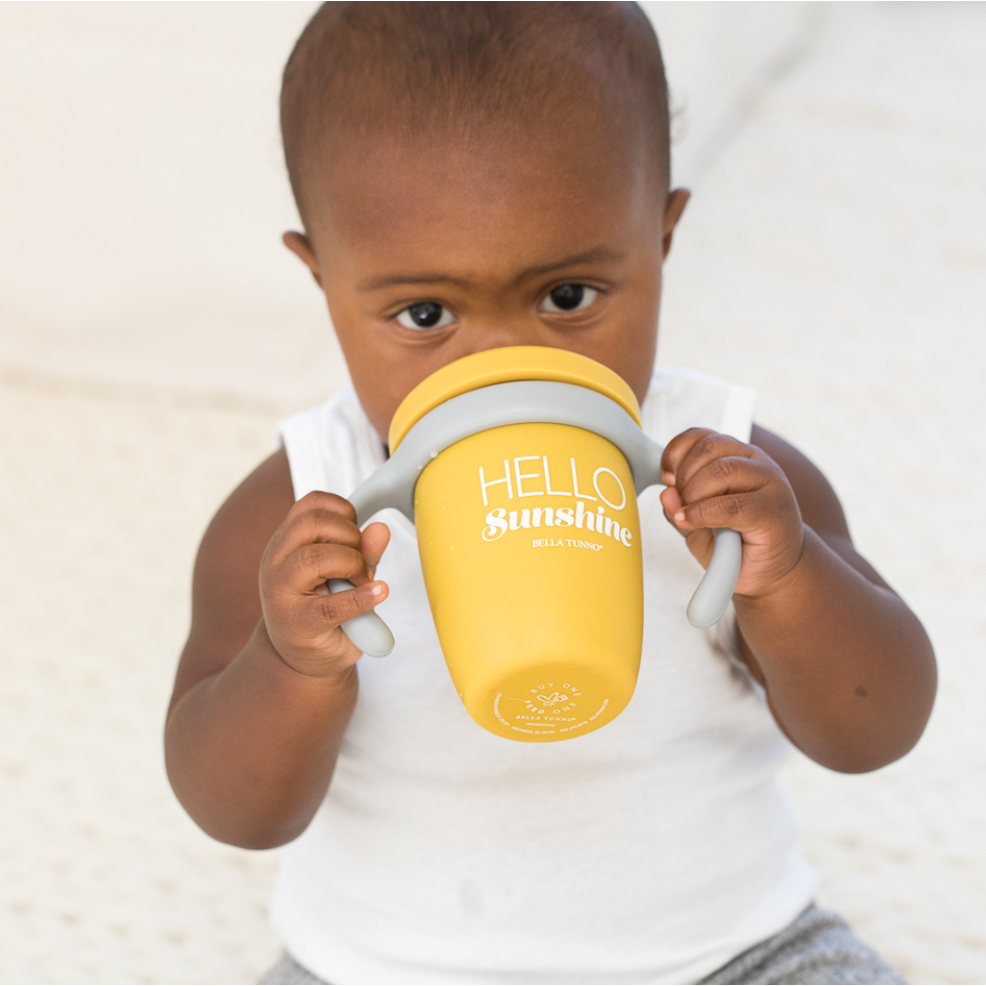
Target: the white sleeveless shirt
(653, 850)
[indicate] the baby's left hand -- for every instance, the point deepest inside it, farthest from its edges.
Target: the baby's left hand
(714, 480)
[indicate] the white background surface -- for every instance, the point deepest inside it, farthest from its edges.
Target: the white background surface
(152, 329)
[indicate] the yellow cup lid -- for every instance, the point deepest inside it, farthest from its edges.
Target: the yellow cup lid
(502, 365)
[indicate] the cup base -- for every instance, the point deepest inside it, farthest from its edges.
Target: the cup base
(548, 702)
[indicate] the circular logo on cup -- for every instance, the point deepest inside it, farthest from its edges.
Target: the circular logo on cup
(554, 707)
(552, 700)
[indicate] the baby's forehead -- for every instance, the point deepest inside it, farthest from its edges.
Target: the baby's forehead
(379, 187)
(463, 74)
(489, 224)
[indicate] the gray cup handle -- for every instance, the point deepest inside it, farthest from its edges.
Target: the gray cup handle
(367, 631)
(719, 582)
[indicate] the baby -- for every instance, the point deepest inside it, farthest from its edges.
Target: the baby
(472, 176)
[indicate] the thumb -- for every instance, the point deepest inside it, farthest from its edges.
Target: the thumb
(700, 542)
(671, 502)
(376, 537)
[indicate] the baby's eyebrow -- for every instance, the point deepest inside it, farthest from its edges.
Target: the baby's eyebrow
(594, 256)
(390, 280)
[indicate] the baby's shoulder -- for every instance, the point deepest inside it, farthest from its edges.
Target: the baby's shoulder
(235, 541)
(256, 507)
(226, 604)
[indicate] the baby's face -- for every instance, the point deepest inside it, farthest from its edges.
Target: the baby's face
(431, 254)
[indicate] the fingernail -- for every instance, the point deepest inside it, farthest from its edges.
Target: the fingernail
(377, 590)
(667, 478)
(680, 517)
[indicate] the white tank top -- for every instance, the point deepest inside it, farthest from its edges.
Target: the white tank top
(653, 850)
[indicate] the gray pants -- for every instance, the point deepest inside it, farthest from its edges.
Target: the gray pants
(818, 947)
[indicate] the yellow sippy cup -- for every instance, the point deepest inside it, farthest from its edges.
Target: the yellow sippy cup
(520, 468)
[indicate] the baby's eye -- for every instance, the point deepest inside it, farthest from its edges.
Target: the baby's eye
(425, 315)
(569, 298)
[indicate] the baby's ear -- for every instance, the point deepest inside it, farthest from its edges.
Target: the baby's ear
(673, 208)
(298, 244)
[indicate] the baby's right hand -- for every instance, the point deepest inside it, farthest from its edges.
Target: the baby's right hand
(319, 540)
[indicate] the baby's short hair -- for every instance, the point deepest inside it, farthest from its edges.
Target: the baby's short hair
(462, 69)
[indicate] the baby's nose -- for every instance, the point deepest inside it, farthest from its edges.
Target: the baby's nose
(507, 332)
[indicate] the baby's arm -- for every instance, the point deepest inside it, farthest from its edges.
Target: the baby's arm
(848, 669)
(267, 681)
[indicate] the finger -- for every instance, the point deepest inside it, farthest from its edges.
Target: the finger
(376, 537)
(338, 607)
(671, 502)
(313, 525)
(719, 477)
(319, 500)
(739, 511)
(307, 568)
(707, 449)
(700, 543)
(677, 449)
